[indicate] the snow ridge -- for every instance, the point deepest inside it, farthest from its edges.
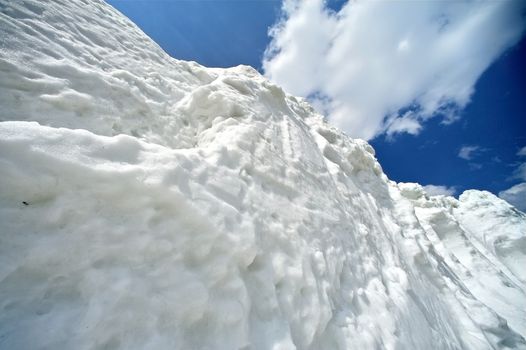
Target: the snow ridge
(152, 203)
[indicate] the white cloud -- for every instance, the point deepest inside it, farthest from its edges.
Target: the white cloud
(520, 172)
(516, 196)
(435, 190)
(467, 152)
(407, 123)
(387, 66)
(475, 166)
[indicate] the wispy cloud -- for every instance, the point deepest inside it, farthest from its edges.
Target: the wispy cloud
(475, 166)
(435, 190)
(386, 67)
(520, 172)
(516, 196)
(468, 152)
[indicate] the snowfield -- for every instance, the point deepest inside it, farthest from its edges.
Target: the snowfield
(152, 203)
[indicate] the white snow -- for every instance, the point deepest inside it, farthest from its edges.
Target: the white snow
(151, 203)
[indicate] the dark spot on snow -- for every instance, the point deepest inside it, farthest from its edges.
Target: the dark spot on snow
(25, 203)
(507, 284)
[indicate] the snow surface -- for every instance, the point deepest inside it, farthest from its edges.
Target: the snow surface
(151, 203)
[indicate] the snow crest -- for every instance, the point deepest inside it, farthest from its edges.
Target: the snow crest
(152, 203)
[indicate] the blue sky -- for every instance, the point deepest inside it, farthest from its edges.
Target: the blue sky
(213, 33)
(419, 144)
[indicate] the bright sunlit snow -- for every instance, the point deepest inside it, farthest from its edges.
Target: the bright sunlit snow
(151, 203)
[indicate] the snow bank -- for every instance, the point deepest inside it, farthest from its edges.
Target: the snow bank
(153, 203)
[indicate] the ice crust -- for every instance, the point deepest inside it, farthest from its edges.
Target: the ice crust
(152, 203)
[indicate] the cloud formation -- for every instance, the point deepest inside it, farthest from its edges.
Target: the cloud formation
(388, 66)
(520, 172)
(516, 195)
(467, 152)
(435, 190)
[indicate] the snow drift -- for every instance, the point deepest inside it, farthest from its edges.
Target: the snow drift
(151, 203)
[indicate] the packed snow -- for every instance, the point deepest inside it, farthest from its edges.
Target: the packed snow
(152, 203)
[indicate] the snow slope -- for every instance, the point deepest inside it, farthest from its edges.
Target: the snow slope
(151, 203)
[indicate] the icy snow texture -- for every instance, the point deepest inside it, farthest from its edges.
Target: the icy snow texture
(151, 203)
